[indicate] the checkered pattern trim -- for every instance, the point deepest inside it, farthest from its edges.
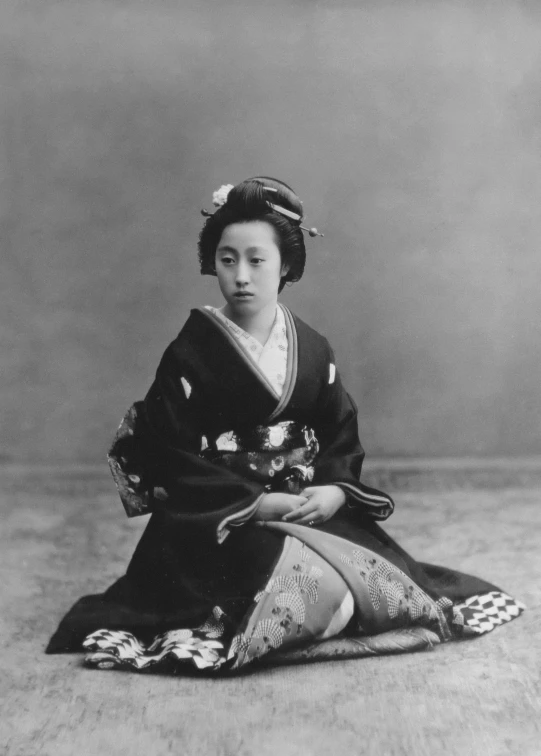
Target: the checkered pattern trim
(118, 649)
(481, 614)
(204, 647)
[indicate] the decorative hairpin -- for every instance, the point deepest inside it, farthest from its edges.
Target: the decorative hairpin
(295, 217)
(219, 198)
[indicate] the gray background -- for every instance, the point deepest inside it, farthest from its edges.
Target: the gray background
(412, 130)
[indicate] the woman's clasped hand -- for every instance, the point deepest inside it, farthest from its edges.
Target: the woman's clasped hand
(314, 506)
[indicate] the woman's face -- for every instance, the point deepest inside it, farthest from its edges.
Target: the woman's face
(249, 267)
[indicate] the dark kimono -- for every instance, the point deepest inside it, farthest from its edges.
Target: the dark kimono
(209, 585)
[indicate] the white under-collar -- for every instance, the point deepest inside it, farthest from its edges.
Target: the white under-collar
(271, 357)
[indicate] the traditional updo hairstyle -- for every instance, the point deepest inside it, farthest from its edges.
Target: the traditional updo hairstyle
(249, 201)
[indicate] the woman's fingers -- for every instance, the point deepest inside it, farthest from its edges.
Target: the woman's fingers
(304, 510)
(298, 501)
(292, 500)
(310, 521)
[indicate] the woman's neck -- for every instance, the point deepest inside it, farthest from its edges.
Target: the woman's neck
(259, 324)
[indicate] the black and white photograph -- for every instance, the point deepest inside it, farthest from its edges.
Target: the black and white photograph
(270, 438)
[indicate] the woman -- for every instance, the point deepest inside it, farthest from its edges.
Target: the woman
(263, 543)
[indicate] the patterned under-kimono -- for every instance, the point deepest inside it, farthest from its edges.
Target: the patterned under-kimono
(210, 588)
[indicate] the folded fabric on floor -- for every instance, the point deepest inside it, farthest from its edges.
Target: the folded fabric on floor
(174, 650)
(327, 598)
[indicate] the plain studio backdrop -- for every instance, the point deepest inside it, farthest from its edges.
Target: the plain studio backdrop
(411, 130)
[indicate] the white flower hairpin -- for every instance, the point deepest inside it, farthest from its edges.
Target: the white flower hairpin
(219, 198)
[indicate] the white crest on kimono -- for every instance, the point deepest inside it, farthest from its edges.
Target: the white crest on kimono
(219, 197)
(227, 442)
(276, 435)
(332, 373)
(204, 443)
(186, 386)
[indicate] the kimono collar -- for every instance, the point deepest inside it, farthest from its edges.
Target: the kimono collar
(253, 367)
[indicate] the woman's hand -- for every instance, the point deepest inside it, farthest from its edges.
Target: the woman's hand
(274, 506)
(322, 503)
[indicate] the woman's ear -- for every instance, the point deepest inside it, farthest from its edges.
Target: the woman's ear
(284, 270)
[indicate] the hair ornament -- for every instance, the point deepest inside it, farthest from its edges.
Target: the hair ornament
(294, 216)
(219, 198)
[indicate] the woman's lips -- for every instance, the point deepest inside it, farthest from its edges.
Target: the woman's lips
(243, 295)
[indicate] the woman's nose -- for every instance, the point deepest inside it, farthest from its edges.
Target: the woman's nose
(243, 274)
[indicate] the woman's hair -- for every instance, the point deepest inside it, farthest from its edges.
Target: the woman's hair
(249, 201)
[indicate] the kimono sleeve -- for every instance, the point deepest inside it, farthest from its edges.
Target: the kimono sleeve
(191, 492)
(341, 454)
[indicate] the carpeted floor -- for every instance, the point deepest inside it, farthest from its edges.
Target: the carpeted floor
(64, 534)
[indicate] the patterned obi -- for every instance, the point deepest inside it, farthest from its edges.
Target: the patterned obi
(280, 456)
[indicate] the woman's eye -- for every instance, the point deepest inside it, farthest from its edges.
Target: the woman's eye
(227, 260)
(257, 260)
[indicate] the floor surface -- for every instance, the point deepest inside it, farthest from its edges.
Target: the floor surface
(64, 534)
